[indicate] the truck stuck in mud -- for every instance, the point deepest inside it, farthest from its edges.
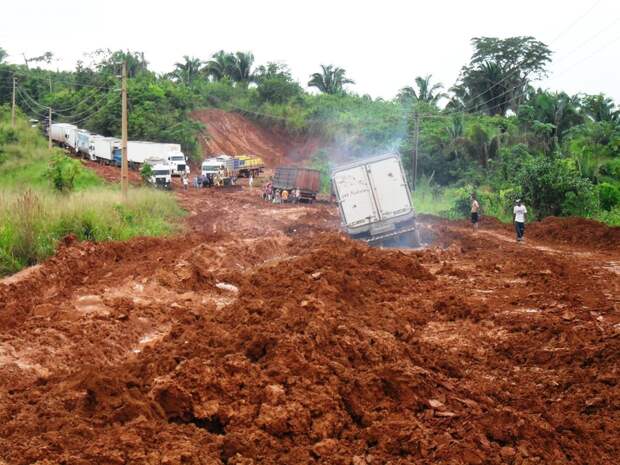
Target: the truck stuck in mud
(374, 200)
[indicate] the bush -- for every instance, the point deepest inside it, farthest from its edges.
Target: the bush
(609, 195)
(553, 187)
(62, 172)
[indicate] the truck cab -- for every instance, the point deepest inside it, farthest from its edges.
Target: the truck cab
(178, 163)
(161, 173)
(374, 199)
(218, 171)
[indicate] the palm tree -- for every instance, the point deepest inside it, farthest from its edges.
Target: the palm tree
(188, 70)
(425, 93)
(330, 80)
(240, 67)
(600, 108)
(218, 66)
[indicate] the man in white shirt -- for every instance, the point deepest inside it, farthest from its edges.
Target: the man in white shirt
(475, 208)
(519, 213)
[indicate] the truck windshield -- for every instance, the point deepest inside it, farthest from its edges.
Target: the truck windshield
(177, 158)
(161, 172)
(210, 167)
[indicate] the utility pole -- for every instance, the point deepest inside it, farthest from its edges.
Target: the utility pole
(13, 107)
(124, 167)
(416, 136)
(49, 128)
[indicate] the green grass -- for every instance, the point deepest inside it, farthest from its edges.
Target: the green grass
(34, 217)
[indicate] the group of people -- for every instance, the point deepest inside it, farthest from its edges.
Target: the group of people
(270, 194)
(519, 213)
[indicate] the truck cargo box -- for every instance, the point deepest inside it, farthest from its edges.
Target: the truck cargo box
(307, 180)
(374, 197)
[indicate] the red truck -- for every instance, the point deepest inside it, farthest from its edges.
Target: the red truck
(307, 180)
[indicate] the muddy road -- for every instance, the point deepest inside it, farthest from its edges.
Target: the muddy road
(263, 336)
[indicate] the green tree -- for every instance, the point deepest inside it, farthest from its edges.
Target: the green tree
(425, 92)
(331, 80)
(218, 66)
(275, 83)
(600, 108)
(187, 70)
(499, 73)
(240, 67)
(550, 115)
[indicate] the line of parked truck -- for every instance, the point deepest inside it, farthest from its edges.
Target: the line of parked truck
(165, 159)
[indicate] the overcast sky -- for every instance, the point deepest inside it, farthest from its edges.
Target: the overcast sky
(383, 44)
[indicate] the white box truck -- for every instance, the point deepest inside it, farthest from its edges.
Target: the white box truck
(58, 132)
(71, 135)
(139, 151)
(105, 149)
(374, 200)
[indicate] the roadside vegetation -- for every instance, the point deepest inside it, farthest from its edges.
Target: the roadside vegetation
(493, 131)
(46, 196)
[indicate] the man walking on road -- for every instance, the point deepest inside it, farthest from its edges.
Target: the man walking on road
(475, 207)
(519, 213)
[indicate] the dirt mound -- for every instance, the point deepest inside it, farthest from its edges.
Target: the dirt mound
(576, 231)
(233, 134)
(330, 354)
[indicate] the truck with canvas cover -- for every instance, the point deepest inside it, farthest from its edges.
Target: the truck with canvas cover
(374, 200)
(307, 180)
(250, 165)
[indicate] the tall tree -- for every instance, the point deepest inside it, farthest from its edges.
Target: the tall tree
(500, 72)
(425, 91)
(240, 67)
(600, 108)
(218, 66)
(331, 80)
(187, 70)
(551, 115)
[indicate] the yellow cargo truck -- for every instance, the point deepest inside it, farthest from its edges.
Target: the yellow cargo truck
(250, 165)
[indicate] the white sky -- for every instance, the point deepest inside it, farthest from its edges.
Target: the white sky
(383, 44)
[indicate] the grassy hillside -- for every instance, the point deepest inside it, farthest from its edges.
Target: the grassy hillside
(34, 217)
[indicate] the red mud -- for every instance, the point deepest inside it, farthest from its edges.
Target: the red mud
(234, 134)
(576, 231)
(264, 336)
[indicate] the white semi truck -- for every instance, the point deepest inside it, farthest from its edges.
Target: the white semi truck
(60, 133)
(221, 170)
(139, 151)
(105, 149)
(375, 201)
(161, 172)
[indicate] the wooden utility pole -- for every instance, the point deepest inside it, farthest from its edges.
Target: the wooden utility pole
(13, 107)
(124, 165)
(49, 128)
(416, 136)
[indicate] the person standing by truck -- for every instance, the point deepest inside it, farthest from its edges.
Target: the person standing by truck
(519, 212)
(475, 211)
(185, 182)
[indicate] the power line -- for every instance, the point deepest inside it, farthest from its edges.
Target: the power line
(59, 80)
(577, 20)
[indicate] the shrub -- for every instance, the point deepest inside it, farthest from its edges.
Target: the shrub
(553, 186)
(609, 195)
(62, 172)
